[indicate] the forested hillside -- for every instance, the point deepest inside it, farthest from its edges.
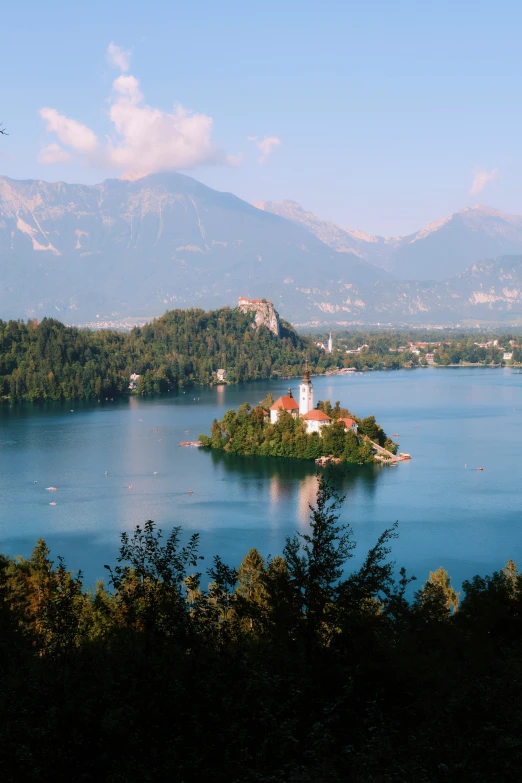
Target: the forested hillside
(52, 361)
(298, 669)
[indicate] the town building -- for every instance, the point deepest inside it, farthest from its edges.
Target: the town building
(133, 381)
(316, 420)
(350, 425)
(285, 403)
(359, 349)
(430, 358)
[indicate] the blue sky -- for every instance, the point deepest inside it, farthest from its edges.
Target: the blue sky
(386, 112)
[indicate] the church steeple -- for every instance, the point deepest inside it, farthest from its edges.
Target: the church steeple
(306, 392)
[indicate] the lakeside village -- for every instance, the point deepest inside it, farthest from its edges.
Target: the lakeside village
(293, 427)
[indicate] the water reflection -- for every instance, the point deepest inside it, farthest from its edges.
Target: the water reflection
(294, 482)
(444, 509)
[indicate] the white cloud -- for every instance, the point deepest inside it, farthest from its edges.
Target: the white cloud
(118, 57)
(53, 153)
(70, 132)
(149, 139)
(481, 179)
(265, 145)
(144, 139)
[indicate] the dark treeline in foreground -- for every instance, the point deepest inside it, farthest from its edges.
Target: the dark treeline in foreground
(52, 361)
(290, 669)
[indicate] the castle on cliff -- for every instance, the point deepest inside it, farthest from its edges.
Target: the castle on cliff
(263, 311)
(303, 408)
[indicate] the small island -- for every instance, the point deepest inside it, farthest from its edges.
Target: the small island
(293, 427)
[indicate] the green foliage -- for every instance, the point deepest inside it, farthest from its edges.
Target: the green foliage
(292, 668)
(437, 599)
(389, 349)
(317, 559)
(183, 347)
(248, 431)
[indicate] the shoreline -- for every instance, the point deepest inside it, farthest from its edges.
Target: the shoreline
(4, 400)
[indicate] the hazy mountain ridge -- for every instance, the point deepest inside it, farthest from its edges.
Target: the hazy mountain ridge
(488, 291)
(374, 249)
(438, 251)
(166, 240)
(122, 249)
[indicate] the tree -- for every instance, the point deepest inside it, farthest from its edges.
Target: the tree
(251, 590)
(437, 599)
(316, 560)
(150, 579)
(60, 614)
(334, 439)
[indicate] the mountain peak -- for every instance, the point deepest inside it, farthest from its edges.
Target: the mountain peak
(344, 240)
(137, 247)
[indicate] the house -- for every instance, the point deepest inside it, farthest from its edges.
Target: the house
(508, 355)
(221, 375)
(489, 344)
(285, 403)
(133, 383)
(316, 420)
(430, 358)
(350, 425)
(359, 349)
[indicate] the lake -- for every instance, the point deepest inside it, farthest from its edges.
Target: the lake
(467, 520)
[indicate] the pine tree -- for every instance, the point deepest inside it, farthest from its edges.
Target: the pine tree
(437, 599)
(251, 590)
(316, 560)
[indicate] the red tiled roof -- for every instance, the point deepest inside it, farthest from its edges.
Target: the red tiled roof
(316, 415)
(347, 422)
(285, 404)
(254, 301)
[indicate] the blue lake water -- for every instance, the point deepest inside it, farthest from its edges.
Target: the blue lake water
(467, 520)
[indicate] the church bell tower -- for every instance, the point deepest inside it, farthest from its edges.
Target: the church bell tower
(306, 393)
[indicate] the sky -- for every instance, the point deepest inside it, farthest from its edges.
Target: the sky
(378, 115)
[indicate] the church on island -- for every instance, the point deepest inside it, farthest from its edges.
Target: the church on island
(304, 409)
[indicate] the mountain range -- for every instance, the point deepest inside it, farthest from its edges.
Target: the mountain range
(138, 248)
(125, 249)
(438, 251)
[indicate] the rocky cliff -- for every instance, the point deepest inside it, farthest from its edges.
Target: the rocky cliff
(263, 312)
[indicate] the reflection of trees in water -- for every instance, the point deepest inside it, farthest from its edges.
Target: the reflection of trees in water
(295, 479)
(262, 467)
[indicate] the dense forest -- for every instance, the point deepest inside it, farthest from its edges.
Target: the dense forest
(51, 361)
(248, 431)
(297, 668)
